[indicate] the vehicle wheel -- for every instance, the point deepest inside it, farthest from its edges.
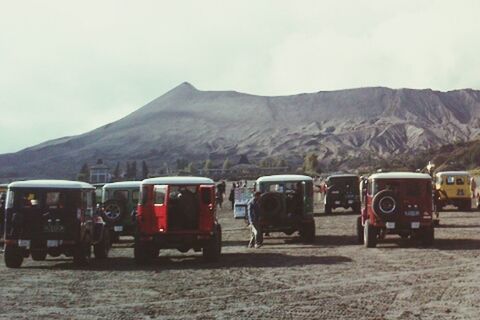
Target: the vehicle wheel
(359, 230)
(113, 211)
(467, 206)
(39, 255)
(428, 236)
(307, 233)
(212, 251)
(101, 249)
(13, 257)
(328, 209)
(144, 253)
(81, 254)
(369, 235)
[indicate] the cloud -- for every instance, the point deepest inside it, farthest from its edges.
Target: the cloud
(69, 67)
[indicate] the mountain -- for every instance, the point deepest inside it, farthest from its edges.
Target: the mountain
(187, 123)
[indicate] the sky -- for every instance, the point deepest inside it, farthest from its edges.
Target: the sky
(67, 67)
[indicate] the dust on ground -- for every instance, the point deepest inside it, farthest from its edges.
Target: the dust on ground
(285, 279)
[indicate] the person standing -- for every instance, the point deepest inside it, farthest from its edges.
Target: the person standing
(220, 194)
(256, 238)
(231, 196)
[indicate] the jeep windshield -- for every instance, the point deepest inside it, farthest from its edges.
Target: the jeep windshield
(344, 183)
(406, 188)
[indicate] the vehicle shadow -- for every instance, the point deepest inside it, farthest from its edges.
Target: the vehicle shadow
(320, 241)
(456, 244)
(439, 244)
(254, 259)
(459, 226)
(335, 213)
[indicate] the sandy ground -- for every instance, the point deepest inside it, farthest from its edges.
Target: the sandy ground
(333, 279)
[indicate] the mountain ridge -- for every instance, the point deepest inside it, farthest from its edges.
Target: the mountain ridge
(194, 124)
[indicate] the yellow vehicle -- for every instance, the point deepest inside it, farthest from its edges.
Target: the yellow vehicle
(453, 188)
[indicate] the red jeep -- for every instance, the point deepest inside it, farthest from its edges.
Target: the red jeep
(177, 213)
(397, 203)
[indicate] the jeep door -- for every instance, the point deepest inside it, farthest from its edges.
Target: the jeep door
(207, 208)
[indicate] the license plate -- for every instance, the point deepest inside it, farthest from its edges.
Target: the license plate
(24, 243)
(415, 225)
(54, 228)
(337, 202)
(53, 243)
(118, 228)
(412, 213)
(390, 225)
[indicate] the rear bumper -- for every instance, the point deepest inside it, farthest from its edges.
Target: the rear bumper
(403, 226)
(50, 245)
(178, 240)
(343, 203)
(286, 226)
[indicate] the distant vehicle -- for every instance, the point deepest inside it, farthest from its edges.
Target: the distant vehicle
(119, 201)
(397, 203)
(177, 213)
(53, 217)
(453, 188)
(242, 196)
(286, 205)
(3, 195)
(342, 191)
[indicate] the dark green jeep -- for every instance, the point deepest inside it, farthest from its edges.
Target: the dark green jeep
(342, 191)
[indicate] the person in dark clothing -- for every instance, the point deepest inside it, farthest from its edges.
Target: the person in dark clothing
(2, 213)
(231, 196)
(220, 194)
(256, 238)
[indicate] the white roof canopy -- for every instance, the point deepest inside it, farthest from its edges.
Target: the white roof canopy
(400, 175)
(123, 184)
(284, 178)
(178, 181)
(52, 184)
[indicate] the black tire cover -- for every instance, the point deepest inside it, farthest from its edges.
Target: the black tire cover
(271, 205)
(386, 205)
(115, 205)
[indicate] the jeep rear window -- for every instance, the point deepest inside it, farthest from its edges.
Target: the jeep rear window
(135, 196)
(53, 199)
(160, 192)
(345, 183)
(450, 180)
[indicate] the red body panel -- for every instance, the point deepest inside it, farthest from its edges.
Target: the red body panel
(152, 218)
(422, 200)
(207, 210)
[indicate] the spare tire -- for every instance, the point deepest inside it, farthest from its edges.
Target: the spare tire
(113, 211)
(272, 205)
(386, 205)
(188, 210)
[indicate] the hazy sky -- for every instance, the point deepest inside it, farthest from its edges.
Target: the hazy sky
(67, 67)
